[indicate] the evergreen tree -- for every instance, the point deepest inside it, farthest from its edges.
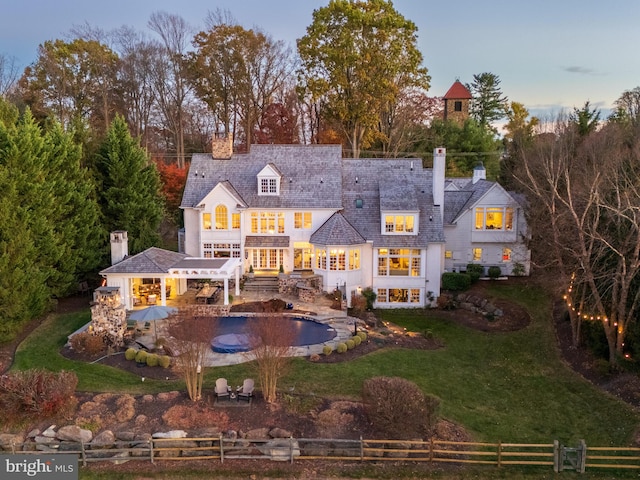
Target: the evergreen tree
(488, 103)
(129, 190)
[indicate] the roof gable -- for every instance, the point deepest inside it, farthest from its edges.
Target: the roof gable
(152, 260)
(336, 231)
(457, 91)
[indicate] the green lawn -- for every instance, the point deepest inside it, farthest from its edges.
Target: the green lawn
(511, 387)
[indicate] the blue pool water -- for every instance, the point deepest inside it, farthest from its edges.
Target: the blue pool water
(232, 333)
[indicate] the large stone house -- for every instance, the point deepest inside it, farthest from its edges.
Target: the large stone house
(387, 224)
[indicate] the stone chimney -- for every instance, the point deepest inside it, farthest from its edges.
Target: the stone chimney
(439, 162)
(222, 146)
(479, 173)
(119, 246)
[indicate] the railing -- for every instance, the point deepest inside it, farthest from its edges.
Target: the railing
(552, 455)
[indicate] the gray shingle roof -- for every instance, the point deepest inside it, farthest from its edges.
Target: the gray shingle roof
(266, 241)
(152, 260)
(336, 231)
(316, 176)
(455, 203)
(310, 176)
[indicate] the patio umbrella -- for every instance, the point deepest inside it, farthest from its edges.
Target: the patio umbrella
(151, 314)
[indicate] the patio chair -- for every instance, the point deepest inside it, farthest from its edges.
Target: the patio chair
(222, 389)
(246, 392)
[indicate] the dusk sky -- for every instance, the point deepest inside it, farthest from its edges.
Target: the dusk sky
(549, 54)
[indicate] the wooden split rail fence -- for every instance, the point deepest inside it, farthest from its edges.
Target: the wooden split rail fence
(552, 455)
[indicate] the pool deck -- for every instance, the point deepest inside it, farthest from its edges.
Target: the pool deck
(320, 310)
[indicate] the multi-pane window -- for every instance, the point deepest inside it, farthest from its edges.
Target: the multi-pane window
(354, 259)
(321, 255)
(399, 262)
(337, 259)
(267, 222)
(206, 221)
(448, 254)
(235, 221)
(268, 186)
(381, 297)
(226, 250)
(477, 254)
(494, 218)
(398, 295)
(302, 220)
(399, 223)
(207, 250)
(222, 219)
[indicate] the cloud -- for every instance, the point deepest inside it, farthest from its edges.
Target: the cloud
(580, 70)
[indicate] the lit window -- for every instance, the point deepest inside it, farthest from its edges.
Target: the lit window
(222, 220)
(494, 218)
(235, 221)
(267, 222)
(414, 295)
(448, 254)
(206, 221)
(477, 254)
(399, 262)
(302, 220)
(354, 259)
(382, 295)
(399, 223)
(506, 254)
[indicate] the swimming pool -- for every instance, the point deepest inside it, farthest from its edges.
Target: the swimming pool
(233, 333)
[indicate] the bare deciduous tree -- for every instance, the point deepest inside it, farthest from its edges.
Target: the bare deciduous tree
(191, 338)
(271, 337)
(8, 74)
(585, 198)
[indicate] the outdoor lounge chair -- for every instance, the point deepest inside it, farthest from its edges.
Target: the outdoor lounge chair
(222, 389)
(246, 392)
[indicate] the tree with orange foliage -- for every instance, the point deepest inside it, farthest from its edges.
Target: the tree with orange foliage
(173, 179)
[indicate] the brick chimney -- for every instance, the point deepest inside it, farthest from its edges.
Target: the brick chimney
(222, 146)
(119, 246)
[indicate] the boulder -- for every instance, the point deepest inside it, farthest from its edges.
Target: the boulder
(125, 436)
(104, 439)
(279, 433)
(73, 433)
(9, 439)
(170, 434)
(49, 432)
(257, 433)
(280, 449)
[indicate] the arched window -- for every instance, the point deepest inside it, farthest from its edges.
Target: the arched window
(222, 219)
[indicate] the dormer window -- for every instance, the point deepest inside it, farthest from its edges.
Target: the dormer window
(400, 224)
(269, 181)
(268, 186)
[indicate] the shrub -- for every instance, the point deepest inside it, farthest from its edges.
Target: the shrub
(518, 269)
(455, 281)
(370, 297)
(327, 350)
(397, 408)
(141, 356)
(494, 272)
(152, 360)
(38, 393)
(341, 348)
(475, 271)
(428, 334)
(87, 343)
(130, 354)
(356, 340)
(164, 361)
(350, 344)
(362, 335)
